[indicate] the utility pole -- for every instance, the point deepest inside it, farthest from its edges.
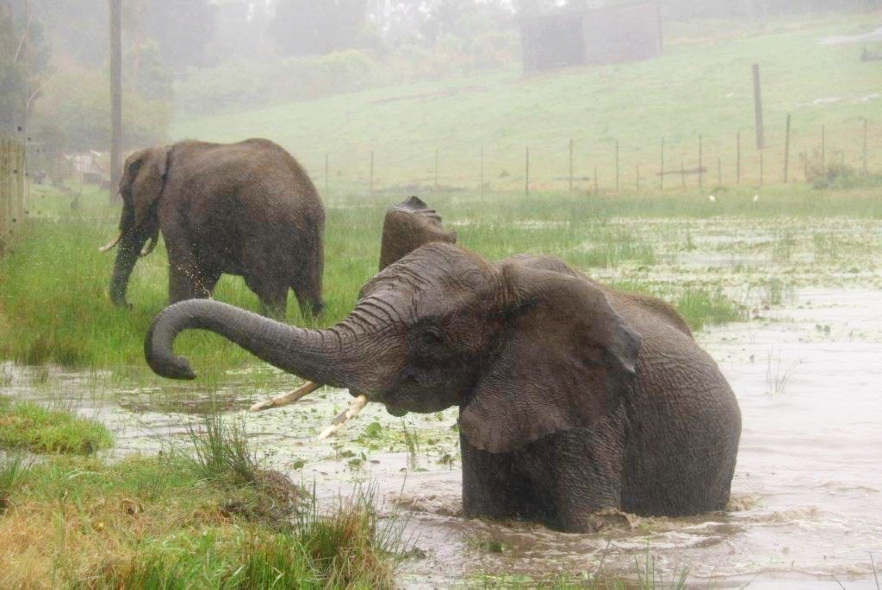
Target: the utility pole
(115, 96)
(26, 60)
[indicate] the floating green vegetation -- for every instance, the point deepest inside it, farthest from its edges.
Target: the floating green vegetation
(703, 306)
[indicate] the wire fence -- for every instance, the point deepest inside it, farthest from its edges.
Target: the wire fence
(13, 188)
(792, 153)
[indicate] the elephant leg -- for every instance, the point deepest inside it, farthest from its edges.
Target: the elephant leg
(272, 293)
(561, 480)
(490, 485)
(308, 305)
(579, 472)
(185, 278)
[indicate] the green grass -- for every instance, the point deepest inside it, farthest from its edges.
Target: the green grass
(159, 523)
(54, 306)
(38, 429)
(702, 85)
(702, 307)
(11, 469)
(221, 450)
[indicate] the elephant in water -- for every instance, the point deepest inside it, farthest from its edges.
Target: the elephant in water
(572, 396)
(407, 226)
(246, 209)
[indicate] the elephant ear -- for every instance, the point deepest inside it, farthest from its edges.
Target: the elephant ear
(409, 225)
(565, 361)
(147, 169)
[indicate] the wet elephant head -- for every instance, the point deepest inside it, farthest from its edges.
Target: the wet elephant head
(140, 188)
(409, 225)
(523, 352)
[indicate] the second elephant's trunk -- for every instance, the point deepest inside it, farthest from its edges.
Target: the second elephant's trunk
(323, 356)
(126, 256)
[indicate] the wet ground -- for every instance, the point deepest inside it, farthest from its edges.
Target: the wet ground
(806, 367)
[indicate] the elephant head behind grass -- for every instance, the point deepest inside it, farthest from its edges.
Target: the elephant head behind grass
(246, 209)
(409, 225)
(572, 397)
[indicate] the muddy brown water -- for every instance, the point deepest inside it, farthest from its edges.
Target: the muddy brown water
(806, 508)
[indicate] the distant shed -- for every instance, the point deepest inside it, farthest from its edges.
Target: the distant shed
(608, 35)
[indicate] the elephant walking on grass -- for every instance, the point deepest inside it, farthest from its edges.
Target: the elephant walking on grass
(246, 209)
(572, 397)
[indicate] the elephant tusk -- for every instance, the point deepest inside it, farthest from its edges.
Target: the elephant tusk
(341, 418)
(287, 398)
(111, 243)
(148, 248)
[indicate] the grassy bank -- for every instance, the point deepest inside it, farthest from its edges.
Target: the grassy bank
(38, 429)
(702, 85)
(183, 520)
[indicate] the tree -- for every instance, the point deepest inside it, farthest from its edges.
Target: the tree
(24, 59)
(307, 27)
(76, 102)
(182, 28)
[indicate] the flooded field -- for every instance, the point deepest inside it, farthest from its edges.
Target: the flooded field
(806, 506)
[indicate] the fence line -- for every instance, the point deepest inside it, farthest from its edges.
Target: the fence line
(569, 165)
(13, 188)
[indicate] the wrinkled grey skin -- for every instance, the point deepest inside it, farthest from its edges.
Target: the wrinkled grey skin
(246, 209)
(572, 396)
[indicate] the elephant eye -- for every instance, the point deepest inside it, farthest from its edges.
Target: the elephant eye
(430, 337)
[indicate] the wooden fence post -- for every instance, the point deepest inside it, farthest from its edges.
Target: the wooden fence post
(372, 173)
(738, 159)
(758, 108)
(661, 176)
(436, 170)
(682, 173)
(865, 145)
(595, 181)
(327, 176)
(823, 146)
(527, 175)
(638, 178)
(482, 174)
(617, 165)
(761, 167)
(787, 149)
(700, 163)
(719, 171)
(571, 167)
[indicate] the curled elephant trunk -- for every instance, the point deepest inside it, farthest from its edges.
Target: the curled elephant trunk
(322, 356)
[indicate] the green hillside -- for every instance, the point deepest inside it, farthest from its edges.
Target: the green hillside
(701, 86)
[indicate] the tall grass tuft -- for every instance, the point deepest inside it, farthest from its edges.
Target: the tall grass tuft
(412, 442)
(703, 307)
(11, 469)
(349, 543)
(222, 451)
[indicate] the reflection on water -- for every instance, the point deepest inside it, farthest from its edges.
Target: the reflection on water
(807, 494)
